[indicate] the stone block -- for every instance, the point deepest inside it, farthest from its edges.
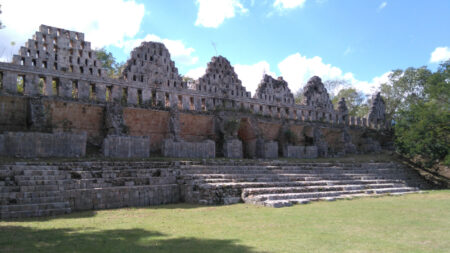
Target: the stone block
(33, 144)
(2, 145)
(126, 146)
(232, 149)
(266, 150)
(205, 149)
(311, 152)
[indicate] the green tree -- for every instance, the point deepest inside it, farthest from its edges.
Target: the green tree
(113, 68)
(423, 125)
(333, 84)
(298, 96)
(354, 101)
(403, 89)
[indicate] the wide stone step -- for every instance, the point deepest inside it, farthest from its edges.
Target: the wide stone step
(275, 190)
(34, 207)
(351, 195)
(296, 183)
(31, 200)
(309, 195)
(34, 213)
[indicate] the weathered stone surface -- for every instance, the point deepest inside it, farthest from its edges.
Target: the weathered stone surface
(274, 90)
(377, 113)
(174, 125)
(302, 152)
(2, 145)
(343, 110)
(315, 94)
(126, 146)
(37, 115)
(266, 149)
(32, 144)
(232, 149)
(370, 145)
(114, 122)
(221, 79)
(205, 149)
(150, 64)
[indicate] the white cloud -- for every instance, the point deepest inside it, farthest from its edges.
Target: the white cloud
(196, 73)
(178, 51)
(251, 75)
(288, 4)
(297, 70)
(440, 54)
(212, 13)
(382, 5)
(105, 22)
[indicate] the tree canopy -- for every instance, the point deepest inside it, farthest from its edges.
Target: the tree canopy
(423, 114)
(354, 100)
(113, 68)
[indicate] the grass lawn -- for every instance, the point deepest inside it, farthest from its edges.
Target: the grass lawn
(412, 223)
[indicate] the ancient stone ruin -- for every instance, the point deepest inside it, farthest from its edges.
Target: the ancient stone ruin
(57, 72)
(56, 100)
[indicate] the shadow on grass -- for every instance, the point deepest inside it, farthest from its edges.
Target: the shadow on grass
(25, 239)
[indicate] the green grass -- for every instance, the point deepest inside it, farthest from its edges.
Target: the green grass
(412, 223)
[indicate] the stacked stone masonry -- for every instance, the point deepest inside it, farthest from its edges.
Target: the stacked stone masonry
(58, 62)
(29, 189)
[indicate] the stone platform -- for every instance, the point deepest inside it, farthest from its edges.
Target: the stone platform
(30, 189)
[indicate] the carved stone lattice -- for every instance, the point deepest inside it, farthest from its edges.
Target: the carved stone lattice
(274, 90)
(377, 113)
(315, 94)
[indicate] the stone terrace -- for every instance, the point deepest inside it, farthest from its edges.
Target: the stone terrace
(281, 184)
(44, 189)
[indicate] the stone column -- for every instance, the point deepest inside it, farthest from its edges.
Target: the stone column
(101, 92)
(31, 85)
(65, 88)
(132, 96)
(10, 82)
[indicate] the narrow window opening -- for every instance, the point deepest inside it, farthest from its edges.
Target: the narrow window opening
(108, 94)
(92, 92)
(55, 86)
(153, 97)
(99, 72)
(20, 84)
(1, 80)
(28, 53)
(55, 66)
(191, 103)
(180, 102)
(167, 100)
(44, 64)
(22, 61)
(41, 85)
(139, 97)
(81, 70)
(33, 63)
(91, 71)
(142, 79)
(204, 104)
(124, 98)
(74, 89)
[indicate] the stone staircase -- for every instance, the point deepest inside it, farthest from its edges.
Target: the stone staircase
(39, 189)
(285, 184)
(32, 189)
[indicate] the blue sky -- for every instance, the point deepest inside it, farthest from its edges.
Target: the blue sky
(357, 40)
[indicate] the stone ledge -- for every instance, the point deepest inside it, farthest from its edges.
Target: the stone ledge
(33, 144)
(126, 146)
(205, 149)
